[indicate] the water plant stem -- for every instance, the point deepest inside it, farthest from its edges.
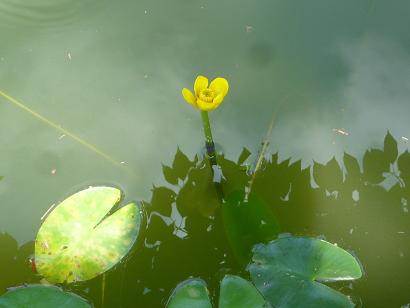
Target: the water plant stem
(59, 128)
(102, 290)
(209, 142)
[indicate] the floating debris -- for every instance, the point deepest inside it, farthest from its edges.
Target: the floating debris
(404, 139)
(53, 171)
(340, 131)
(69, 56)
(249, 28)
(401, 254)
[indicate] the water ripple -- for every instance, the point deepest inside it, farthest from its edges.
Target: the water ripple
(42, 12)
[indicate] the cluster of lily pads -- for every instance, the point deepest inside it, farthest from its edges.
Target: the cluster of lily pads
(90, 232)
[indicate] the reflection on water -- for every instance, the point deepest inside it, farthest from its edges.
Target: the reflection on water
(41, 12)
(113, 78)
(190, 234)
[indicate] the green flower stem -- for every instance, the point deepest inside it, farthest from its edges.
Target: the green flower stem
(209, 142)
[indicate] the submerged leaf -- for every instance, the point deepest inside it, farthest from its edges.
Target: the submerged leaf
(390, 147)
(375, 162)
(328, 176)
(247, 222)
(179, 169)
(404, 165)
(243, 156)
(351, 165)
(287, 272)
(78, 242)
(39, 296)
(190, 293)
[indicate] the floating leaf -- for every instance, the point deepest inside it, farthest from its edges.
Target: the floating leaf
(39, 296)
(247, 222)
(390, 147)
(288, 272)
(78, 241)
(190, 293)
(237, 292)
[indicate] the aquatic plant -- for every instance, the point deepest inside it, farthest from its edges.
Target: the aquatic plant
(286, 273)
(40, 296)
(207, 98)
(289, 272)
(235, 292)
(82, 237)
(15, 267)
(247, 221)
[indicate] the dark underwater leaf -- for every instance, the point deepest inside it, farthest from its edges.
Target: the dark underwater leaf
(243, 156)
(375, 162)
(328, 176)
(351, 165)
(179, 169)
(247, 222)
(162, 199)
(404, 166)
(390, 147)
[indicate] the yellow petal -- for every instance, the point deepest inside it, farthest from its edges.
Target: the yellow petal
(218, 100)
(201, 82)
(205, 106)
(220, 86)
(189, 97)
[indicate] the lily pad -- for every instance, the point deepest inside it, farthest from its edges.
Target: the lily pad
(190, 293)
(79, 240)
(289, 272)
(39, 296)
(237, 292)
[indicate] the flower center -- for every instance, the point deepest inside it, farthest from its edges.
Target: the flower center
(207, 95)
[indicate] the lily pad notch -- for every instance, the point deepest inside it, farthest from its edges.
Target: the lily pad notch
(290, 272)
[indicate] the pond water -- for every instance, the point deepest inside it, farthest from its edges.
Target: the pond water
(333, 75)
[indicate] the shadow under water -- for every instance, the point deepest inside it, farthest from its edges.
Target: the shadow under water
(361, 206)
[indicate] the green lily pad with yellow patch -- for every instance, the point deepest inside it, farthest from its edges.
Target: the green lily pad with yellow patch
(81, 239)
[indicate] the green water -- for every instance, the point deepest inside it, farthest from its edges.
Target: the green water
(112, 73)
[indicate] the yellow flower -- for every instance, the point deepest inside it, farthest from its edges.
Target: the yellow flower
(206, 98)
